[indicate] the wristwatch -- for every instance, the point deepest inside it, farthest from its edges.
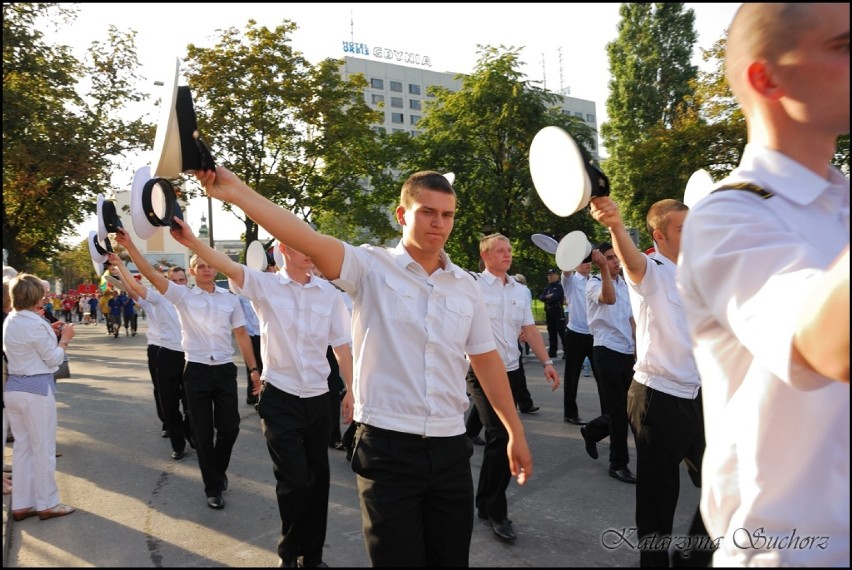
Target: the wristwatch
(255, 369)
(546, 362)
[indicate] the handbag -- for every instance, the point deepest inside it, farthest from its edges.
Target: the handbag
(63, 371)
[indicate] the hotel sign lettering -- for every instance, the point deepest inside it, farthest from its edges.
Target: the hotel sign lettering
(399, 56)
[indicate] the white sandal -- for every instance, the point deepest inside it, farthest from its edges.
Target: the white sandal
(59, 510)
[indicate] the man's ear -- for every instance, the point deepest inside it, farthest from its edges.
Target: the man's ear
(761, 80)
(400, 215)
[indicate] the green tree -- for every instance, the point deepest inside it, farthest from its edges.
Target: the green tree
(58, 144)
(482, 133)
(298, 134)
(651, 80)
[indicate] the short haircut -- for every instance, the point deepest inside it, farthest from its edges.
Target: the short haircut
(604, 247)
(27, 291)
(520, 278)
(485, 243)
(193, 261)
(761, 31)
(658, 213)
(423, 180)
(173, 270)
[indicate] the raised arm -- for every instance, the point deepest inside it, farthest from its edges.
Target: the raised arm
(325, 251)
(155, 277)
(607, 295)
(605, 211)
(217, 259)
(134, 289)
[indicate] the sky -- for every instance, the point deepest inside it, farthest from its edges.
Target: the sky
(564, 44)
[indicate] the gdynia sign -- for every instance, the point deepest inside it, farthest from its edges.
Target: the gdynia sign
(387, 53)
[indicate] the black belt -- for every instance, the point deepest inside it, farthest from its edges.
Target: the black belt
(390, 433)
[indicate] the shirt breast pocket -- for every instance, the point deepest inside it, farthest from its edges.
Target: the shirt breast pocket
(402, 299)
(459, 316)
(196, 303)
(320, 317)
(285, 310)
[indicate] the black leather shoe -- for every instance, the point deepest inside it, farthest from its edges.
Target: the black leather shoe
(216, 502)
(531, 410)
(478, 440)
(282, 564)
(576, 420)
(624, 475)
(591, 446)
(178, 455)
(503, 529)
(165, 433)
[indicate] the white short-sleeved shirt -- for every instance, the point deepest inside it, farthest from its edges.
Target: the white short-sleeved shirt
(298, 323)
(163, 322)
(509, 309)
(610, 324)
(664, 358)
(206, 321)
(777, 455)
(411, 331)
(575, 290)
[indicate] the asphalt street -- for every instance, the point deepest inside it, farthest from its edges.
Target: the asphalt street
(136, 507)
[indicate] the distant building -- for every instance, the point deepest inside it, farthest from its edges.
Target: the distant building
(399, 91)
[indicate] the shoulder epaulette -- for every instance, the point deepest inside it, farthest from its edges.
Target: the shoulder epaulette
(472, 274)
(657, 261)
(748, 187)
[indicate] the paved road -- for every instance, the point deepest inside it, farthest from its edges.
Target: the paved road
(138, 508)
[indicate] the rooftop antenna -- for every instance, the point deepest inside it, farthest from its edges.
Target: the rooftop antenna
(562, 89)
(352, 25)
(543, 73)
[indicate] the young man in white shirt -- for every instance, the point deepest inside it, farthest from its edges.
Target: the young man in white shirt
(664, 399)
(208, 315)
(301, 315)
(578, 339)
(764, 277)
(165, 353)
(415, 316)
(510, 310)
(612, 326)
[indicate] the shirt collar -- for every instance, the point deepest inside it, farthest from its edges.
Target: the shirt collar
(784, 176)
(404, 261)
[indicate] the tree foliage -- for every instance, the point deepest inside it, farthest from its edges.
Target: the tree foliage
(61, 129)
(482, 133)
(652, 78)
(297, 133)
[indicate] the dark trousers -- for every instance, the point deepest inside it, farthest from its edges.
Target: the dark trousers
(170, 365)
(555, 317)
(613, 373)
(211, 395)
(296, 431)
(416, 497)
(255, 345)
(668, 430)
(472, 425)
(518, 384)
(335, 388)
(578, 346)
(494, 475)
(153, 350)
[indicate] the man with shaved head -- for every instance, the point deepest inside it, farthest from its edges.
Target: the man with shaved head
(764, 278)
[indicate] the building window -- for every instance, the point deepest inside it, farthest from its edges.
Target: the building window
(414, 104)
(379, 130)
(397, 118)
(415, 133)
(413, 89)
(396, 102)
(398, 130)
(376, 99)
(590, 118)
(377, 83)
(578, 114)
(414, 119)
(396, 86)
